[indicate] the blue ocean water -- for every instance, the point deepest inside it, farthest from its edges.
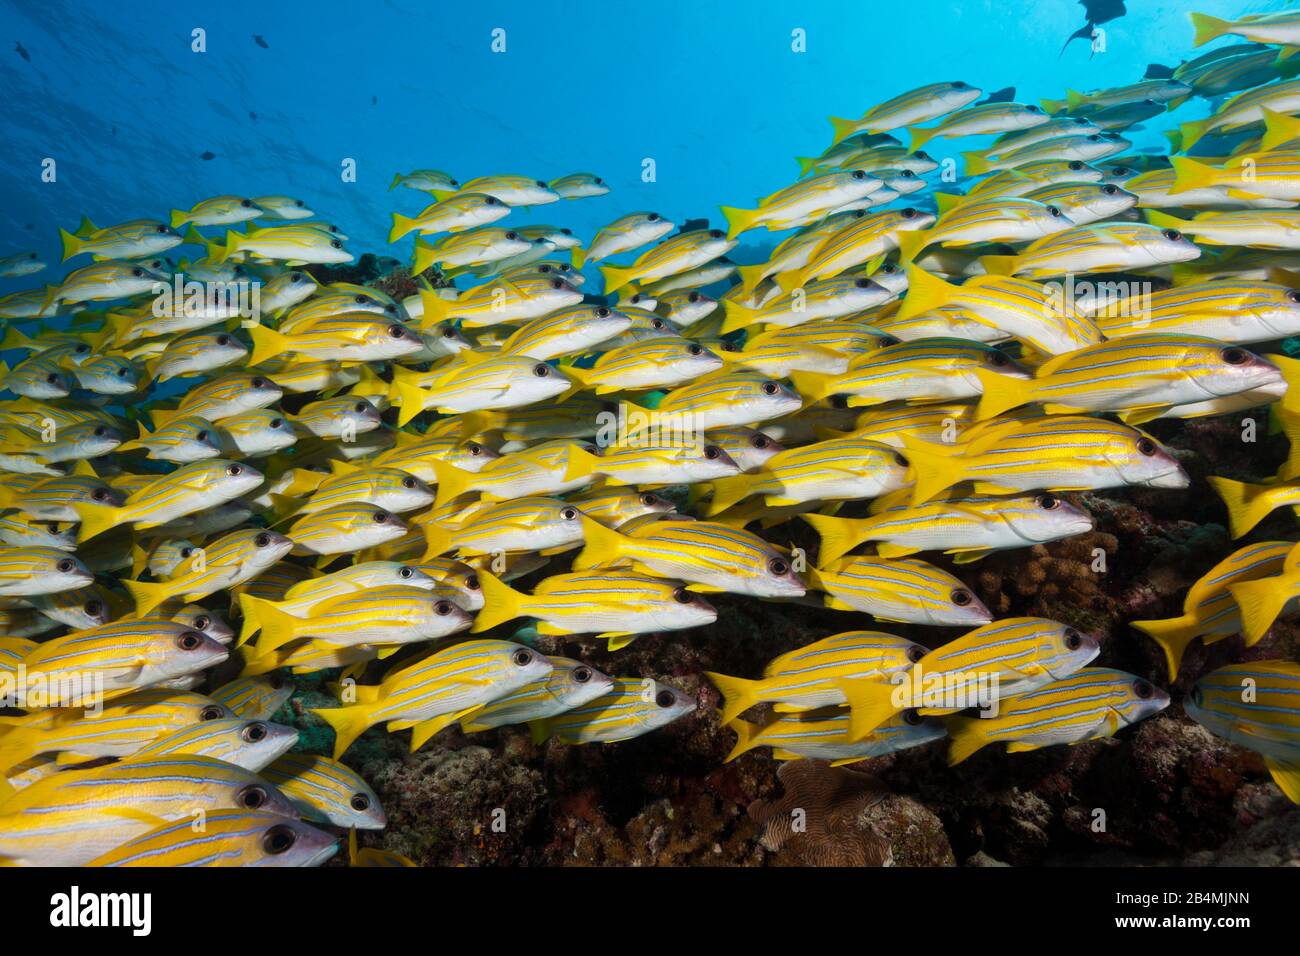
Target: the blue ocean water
(713, 92)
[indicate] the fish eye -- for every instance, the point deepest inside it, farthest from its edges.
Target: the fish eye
(471, 582)
(396, 331)
(693, 297)
(652, 217)
(254, 732)
(522, 657)
(512, 235)
(65, 566)
(277, 423)
(921, 154)
(541, 184)
(262, 540)
(1234, 356)
(278, 683)
(1110, 189)
(223, 339)
(52, 378)
(778, 567)
(474, 448)
(682, 596)
(1146, 446)
(908, 213)
(99, 494)
(859, 174)
(161, 229)
(694, 349)
(901, 460)
(1173, 235)
(961, 597)
(959, 85)
(1074, 166)
(82, 348)
(1293, 296)
(137, 272)
(408, 482)
(448, 332)
(380, 517)
(186, 552)
(915, 653)
(442, 608)
(492, 201)
(581, 675)
(298, 203)
(405, 572)
(94, 607)
(202, 435)
(212, 713)
(648, 499)
(279, 839)
(888, 269)
(759, 441)
(657, 324)
(202, 622)
(1094, 138)
(360, 407)
(637, 298)
(189, 640)
(234, 471)
(1054, 211)
(1073, 639)
(912, 717)
(251, 798)
(861, 283)
(123, 372)
(258, 382)
(712, 452)
(360, 802)
(665, 698)
(1142, 689)
(246, 203)
(335, 244)
(716, 234)
(569, 514)
(1048, 502)
(770, 388)
(295, 276)
(602, 312)
(998, 359)
(1032, 109)
(541, 370)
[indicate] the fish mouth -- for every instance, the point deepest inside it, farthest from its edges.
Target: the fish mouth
(1176, 478)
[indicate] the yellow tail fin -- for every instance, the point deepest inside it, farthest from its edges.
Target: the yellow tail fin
(738, 316)
(1207, 28)
(936, 467)
(147, 595)
(96, 519)
(452, 481)
(580, 463)
(871, 703)
(501, 603)
(926, 292)
(738, 694)
(967, 736)
(71, 244)
(602, 545)
(1247, 504)
(728, 491)
(739, 220)
(425, 256)
(436, 308)
(977, 164)
(402, 225)
(278, 628)
(1286, 776)
(843, 128)
(1260, 603)
(1001, 393)
(349, 723)
(912, 244)
(745, 735)
(267, 344)
(1174, 635)
(617, 276)
(838, 536)
(1279, 129)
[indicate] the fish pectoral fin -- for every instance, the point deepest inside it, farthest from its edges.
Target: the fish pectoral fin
(422, 731)
(1286, 776)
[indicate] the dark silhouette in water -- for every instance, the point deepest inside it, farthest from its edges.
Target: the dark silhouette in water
(22, 52)
(693, 225)
(1097, 11)
(1004, 95)
(261, 41)
(207, 154)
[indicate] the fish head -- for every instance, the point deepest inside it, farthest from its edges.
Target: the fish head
(775, 575)
(1136, 699)
(530, 382)
(1062, 649)
(471, 456)
(411, 492)
(707, 461)
(1045, 517)
(251, 744)
(290, 843)
(266, 548)
(910, 729)
(1230, 369)
(518, 665)
(664, 703)
(92, 439)
(447, 616)
(1166, 245)
(749, 448)
(1106, 200)
(230, 479)
(179, 651)
(210, 623)
(684, 609)
(59, 571)
(949, 603)
(764, 398)
(1281, 313)
(259, 391)
(1141, 460)
(356, 414)
(575, 683)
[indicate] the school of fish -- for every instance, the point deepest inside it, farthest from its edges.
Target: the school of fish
(334, 477)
